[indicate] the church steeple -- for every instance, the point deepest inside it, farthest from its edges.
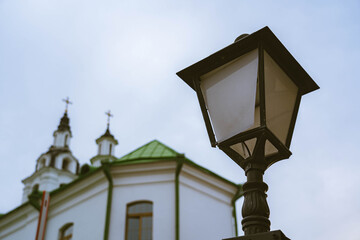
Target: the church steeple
(63, 134)
(56, 166)
(106, 145)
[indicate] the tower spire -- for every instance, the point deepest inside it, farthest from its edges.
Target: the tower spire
(63, 133)
(64, 122)
(106, 145)
(108, 113)
(67, 102)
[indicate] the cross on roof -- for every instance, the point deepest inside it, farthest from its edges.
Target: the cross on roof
(67, 101)
(108, 113)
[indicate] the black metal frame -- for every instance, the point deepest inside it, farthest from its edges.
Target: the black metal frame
(204, 112)
(255, 209)
(261, 133)
(263, 40)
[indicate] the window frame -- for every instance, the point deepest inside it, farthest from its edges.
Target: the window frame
(62, 230)
(139, 215)
(65, 165)
(65, 140)
(41, 163)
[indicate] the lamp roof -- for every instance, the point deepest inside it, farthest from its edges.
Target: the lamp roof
(245, 44)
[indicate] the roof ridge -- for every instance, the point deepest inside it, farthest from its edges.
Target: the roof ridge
(152, 149)
(166, 146)
(137, 149)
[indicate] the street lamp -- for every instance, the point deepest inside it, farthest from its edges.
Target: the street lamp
(249, 94)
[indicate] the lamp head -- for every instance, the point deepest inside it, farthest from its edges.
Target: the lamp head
(249, 94)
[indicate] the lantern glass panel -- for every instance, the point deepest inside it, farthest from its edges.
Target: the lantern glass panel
(270, 148)
(230, 96)
(246, 148)
(280, 97)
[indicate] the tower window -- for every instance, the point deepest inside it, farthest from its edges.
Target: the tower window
(99, 149)
(52, 161)
(110, 149)
(139, 221)
(35, 188)
(42, 163)
(55, 136)
(65, 141)
(66, 232)
(65, 164)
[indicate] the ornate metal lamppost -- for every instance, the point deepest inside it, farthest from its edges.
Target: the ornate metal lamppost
(249, 94)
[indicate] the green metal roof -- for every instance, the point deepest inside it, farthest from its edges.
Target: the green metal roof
(151, 150)
(155, 151)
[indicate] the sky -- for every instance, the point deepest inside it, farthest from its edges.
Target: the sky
(123, 56)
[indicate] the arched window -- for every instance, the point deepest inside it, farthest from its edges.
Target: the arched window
(66, 232)
(65, 164)
(99, 149)
(42, 163)
(65, 141)
(139, 221)
(52, 162)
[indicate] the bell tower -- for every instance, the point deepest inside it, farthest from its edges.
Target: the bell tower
(56, 166)
(106, 145)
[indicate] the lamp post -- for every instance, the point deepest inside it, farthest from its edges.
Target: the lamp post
(249, 94)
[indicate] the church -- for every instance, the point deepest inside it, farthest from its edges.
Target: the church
(150, 193)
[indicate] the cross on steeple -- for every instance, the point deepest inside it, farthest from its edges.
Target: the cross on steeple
(67, 101)
(108, 113)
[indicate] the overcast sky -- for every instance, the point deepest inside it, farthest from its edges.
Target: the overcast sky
(123, 55)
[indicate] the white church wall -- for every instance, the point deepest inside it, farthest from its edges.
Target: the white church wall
(21, 224)
(84, 205)
(152, 182)
(205, 200)
(204, 204)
